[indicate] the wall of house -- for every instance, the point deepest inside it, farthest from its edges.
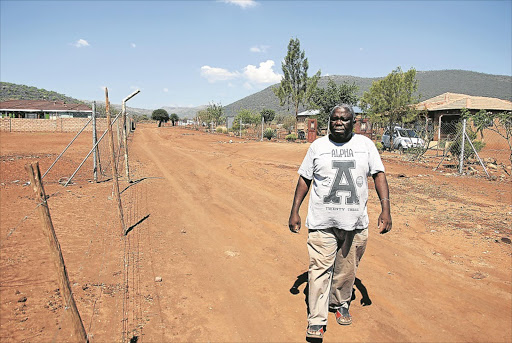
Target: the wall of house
(50, 125)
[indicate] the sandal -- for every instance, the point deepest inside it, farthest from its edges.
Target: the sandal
(315, 331)
(343, 317)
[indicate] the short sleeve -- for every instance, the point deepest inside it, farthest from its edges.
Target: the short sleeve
(374, 160)
(306, 169)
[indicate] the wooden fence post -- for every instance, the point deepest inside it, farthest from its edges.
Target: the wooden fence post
(44, 213)
(113, 163)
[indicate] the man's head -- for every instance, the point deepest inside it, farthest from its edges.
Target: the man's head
(341, 123)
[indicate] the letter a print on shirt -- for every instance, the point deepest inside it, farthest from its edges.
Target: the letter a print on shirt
(343, 182)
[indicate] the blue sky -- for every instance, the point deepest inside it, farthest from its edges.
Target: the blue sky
(190, 53)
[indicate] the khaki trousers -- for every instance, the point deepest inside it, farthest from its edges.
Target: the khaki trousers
(334, 256)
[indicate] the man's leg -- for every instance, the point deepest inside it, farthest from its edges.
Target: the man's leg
(349, 254)
(322, 246)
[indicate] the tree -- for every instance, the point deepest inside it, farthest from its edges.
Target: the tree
(324, 99)
(161, 115)
(296, 87)
(247, 117)
(215, 113)
(202, 117)
(389, 100)
(268, 115)
(174, 118)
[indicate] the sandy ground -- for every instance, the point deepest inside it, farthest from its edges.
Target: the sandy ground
(209, 217)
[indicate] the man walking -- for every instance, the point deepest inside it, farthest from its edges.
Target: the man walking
(338, 165)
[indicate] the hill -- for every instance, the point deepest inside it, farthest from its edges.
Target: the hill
(430, 84)
(12, 91)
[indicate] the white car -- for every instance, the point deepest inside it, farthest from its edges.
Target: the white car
(403, 139)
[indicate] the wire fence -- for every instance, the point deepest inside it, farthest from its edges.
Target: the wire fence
(486, 152)
(95, 168)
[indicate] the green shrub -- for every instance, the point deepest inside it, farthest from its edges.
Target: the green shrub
(269, 133)
(379, 146)
(455, 146)
(218, 129)
(291, 137)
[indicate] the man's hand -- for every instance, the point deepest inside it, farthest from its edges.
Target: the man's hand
(385, 222)
(294, 222)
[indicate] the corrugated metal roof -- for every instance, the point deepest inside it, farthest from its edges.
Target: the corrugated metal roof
(41, 105)
(454, 101)
(308, 113)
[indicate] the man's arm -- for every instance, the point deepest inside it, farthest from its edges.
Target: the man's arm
(300, 193)
(381, 186)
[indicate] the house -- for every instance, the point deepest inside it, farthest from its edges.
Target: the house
(40, 109)
(446, 108)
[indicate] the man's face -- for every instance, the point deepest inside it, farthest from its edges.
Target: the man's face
(341, 123)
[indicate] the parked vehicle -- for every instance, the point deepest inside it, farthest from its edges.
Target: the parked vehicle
(403, 139)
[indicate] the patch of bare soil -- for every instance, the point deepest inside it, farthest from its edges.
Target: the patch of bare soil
(209, 257)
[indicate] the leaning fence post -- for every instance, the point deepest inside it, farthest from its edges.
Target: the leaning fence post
(94, 140)
(461, 163)
(44, 213)
(113, 163)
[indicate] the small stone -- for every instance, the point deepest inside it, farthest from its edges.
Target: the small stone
(492, 166)
(158, 279)
(22, 299)
(505, 240)
(478, 276)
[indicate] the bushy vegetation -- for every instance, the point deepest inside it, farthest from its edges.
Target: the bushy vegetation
(291, 137)
(246, 117)
(269, 133)
(379, 146)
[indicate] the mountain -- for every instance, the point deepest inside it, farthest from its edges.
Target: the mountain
(430, 84)
(185, 112)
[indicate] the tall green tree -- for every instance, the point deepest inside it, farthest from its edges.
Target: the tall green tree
(215, 113)
(268, 115)
(324, 99)
(174, 118)
(296, 87)
(160, 115)
(389, 100)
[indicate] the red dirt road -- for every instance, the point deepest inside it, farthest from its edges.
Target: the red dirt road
(210, 218)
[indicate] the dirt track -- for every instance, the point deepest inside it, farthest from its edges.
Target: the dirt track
(212, 223)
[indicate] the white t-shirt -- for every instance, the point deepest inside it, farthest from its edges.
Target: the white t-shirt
(340, 182)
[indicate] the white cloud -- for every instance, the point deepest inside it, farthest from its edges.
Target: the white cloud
(262, 74)
(133, 45)
(259, 48)
(213, 74)
(242, 3)
(166, 90)
(81, 43)
(252, 75)
(361, 49)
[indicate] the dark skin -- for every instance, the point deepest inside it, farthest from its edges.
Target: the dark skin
(341, 124)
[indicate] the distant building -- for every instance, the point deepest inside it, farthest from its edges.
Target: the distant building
(447, 107)
(39, 109)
